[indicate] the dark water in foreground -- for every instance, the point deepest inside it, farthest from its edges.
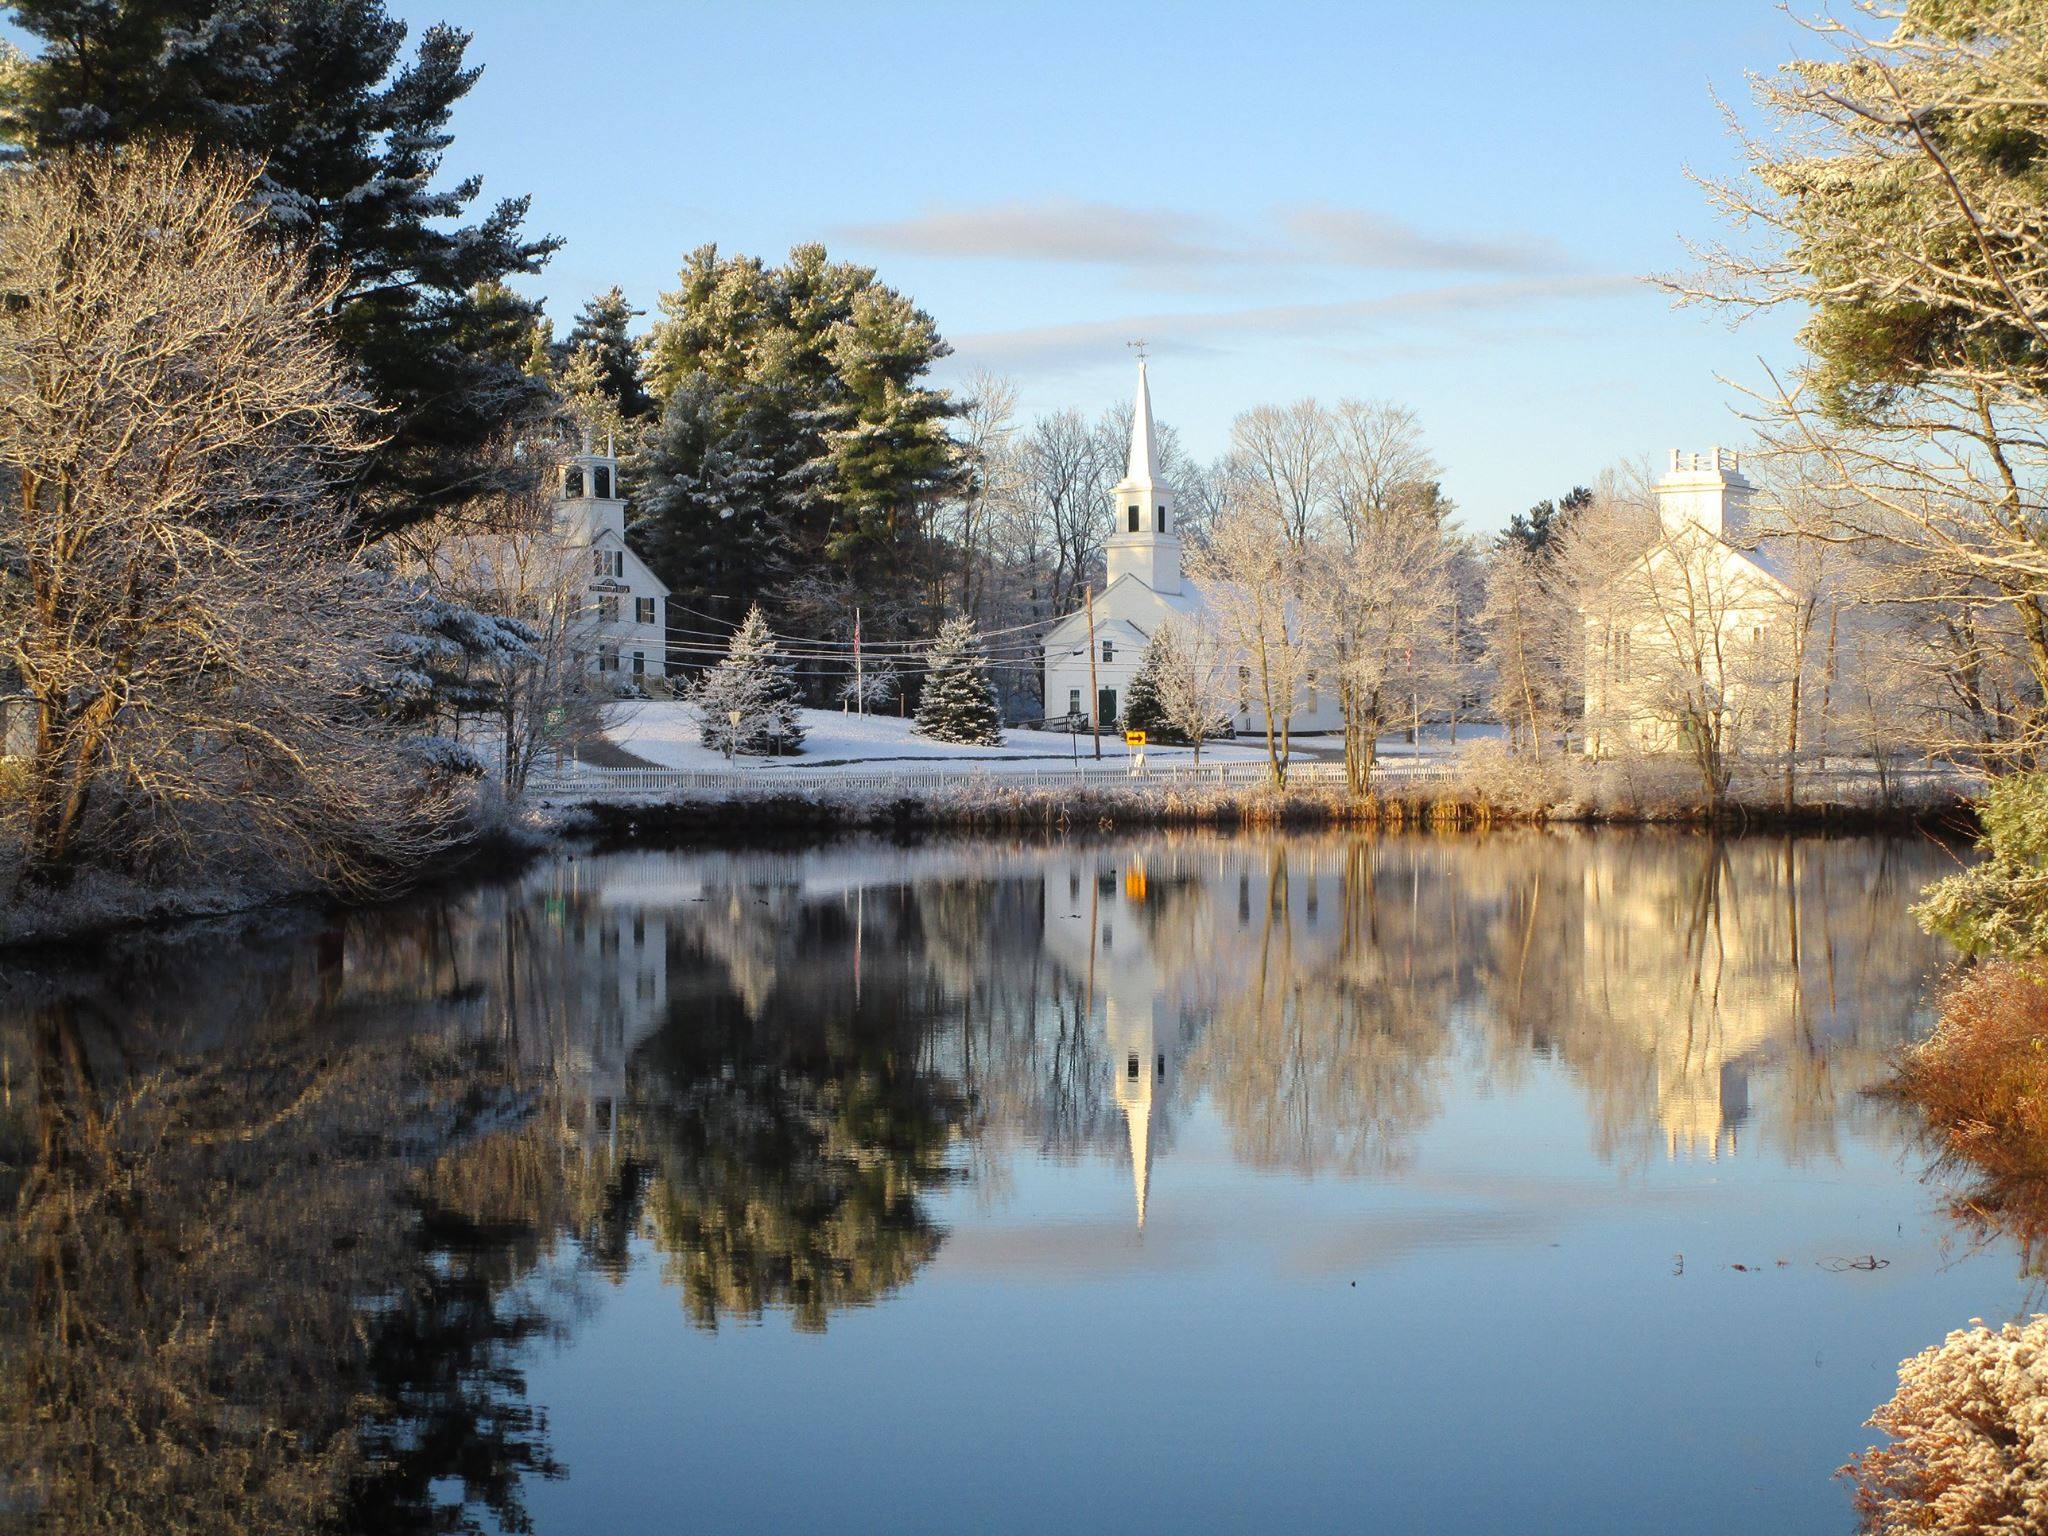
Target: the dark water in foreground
(1169, 1184)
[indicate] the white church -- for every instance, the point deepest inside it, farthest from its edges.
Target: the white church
(1144, 589)
(624, 617)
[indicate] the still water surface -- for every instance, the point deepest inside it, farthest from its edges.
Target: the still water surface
(1179, 1183)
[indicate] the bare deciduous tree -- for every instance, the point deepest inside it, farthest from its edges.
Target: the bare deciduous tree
(1249, 580)
(1194, 693)
(204, 656)
(506, 554)
(1282, 458)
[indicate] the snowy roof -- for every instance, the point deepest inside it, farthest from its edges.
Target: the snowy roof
(1187, 601)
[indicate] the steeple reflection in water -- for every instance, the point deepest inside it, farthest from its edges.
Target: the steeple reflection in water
(292, 1212)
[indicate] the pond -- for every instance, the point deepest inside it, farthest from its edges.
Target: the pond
(1519, 1182)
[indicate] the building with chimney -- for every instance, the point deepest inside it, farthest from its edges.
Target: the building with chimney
(1701, 633)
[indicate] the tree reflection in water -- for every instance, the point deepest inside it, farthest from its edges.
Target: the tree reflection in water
(287, 1210)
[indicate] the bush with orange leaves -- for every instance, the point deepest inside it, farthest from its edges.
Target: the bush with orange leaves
(1982, 1077)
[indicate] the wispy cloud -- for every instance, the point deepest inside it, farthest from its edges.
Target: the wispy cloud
(1051, 229)
(1204, 330)
(1164, 244)
(1358, 238)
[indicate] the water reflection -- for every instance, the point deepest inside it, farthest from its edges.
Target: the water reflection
(287, 1208)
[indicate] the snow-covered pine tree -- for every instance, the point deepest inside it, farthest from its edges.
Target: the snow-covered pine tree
(709, 502)
(1143, 710)
(754, 681)
(602, 330)
(352, 133)
(959, 701)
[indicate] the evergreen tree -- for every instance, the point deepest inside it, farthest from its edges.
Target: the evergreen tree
(600, 332)
(959, 701)
(816, 369)
(1143, 710)
(1537, 530)
(756, 683)
(351, 138)
(707, 502)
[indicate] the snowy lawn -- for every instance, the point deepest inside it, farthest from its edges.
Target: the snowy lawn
(666, 735)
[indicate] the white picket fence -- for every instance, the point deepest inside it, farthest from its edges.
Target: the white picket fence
(583, 781)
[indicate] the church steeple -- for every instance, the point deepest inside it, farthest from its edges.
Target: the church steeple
(1143, 541)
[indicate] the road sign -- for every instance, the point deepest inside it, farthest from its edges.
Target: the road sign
(1134, 738)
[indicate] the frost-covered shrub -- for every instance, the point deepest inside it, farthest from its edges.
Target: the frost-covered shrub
(1491, 773)
(2000, 906)
(442, 754)
(1969, 1429)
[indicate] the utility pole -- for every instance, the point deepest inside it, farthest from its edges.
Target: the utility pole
(860, 692)
(1094, 693)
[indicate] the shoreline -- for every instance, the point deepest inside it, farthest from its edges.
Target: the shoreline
(128, 911)
(715, 819)
(817, 815)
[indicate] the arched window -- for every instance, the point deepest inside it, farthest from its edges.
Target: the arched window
(572, 480)
(601, 481)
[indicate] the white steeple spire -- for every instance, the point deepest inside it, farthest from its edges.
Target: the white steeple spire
(1138, 1119)
(1143, 468)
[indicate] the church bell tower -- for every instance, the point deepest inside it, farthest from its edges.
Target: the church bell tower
(1144, 540)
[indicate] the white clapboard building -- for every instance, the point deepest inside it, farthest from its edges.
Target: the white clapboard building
(625, 603)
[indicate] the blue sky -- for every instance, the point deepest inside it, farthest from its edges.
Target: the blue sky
(1446, 204)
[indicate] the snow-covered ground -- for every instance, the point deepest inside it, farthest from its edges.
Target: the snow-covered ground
(667, 735)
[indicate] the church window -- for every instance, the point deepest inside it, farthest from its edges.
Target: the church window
(607, 658)
(1162, 1066)
(572, 480)
(600, 563)
(608, 610)
(1131, 1067)
(643, 610)
(1108, 651)
(1134, 519)
(1074, 702)
(639, 663)
(601, 482)
(1159, 518)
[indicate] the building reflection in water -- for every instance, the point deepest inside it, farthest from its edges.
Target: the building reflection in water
(764, 1072)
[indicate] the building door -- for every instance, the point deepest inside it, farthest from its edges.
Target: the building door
(1105, 708)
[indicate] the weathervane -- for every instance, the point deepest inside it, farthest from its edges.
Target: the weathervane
(1138, 346)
